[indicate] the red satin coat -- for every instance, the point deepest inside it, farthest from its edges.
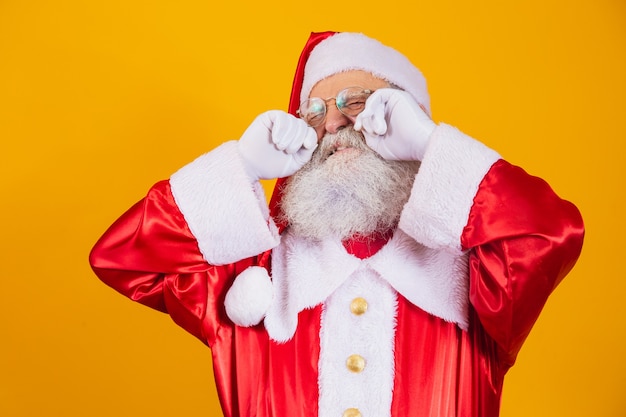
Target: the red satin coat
(522, 238)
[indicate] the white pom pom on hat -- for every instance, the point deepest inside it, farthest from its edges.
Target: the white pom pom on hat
(347, 51)
(249, 298)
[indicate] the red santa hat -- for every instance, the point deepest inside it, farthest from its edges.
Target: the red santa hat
(355, 51)
(328, 53)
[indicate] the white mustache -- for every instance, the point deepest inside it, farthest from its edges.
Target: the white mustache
(345, 138)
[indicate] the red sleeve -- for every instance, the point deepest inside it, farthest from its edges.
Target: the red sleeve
(524, 239)
(150, 256)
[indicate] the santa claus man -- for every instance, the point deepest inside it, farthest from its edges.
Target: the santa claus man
(397, 271)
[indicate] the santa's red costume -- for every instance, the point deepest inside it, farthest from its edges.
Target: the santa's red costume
(424, 321)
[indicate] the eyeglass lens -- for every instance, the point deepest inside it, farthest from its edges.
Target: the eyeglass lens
(349, 101)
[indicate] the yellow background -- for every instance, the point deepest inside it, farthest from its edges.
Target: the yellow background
(100, 99)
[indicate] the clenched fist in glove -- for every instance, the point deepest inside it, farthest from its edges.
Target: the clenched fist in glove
(395, 125)
(276, 145)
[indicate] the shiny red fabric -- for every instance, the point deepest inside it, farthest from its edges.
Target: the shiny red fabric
(523, 241)
(150, 255)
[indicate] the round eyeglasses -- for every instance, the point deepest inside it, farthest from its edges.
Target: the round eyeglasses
(350, 102)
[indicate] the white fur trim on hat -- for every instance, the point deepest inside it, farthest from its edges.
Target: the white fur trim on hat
(250, 296)
(355, 51)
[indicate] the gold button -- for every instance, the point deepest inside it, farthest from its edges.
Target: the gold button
(352, 412)
(355, 363)
(358, 306)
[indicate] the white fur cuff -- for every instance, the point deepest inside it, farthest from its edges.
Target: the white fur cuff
(444, 189)
(227, 214)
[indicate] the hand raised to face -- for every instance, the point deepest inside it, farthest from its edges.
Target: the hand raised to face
(395, 125)
(276, 145)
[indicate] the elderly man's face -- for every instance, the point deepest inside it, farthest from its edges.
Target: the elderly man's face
(329, 87)
(346, 189)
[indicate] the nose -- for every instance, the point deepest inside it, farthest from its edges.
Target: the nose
(334, 122)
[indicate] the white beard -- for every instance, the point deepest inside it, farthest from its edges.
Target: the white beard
(346, 189)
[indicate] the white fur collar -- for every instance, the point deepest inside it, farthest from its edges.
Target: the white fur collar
(305, 274)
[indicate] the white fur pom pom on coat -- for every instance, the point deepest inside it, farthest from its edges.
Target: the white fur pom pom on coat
(250, 296)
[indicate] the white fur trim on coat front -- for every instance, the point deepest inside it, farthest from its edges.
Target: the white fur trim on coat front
(443, 193)
(226, 213)
(370, 335)
(305, 274)
(434, 280)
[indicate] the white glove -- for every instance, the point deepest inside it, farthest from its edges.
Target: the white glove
(395, 125)
(276, 145)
